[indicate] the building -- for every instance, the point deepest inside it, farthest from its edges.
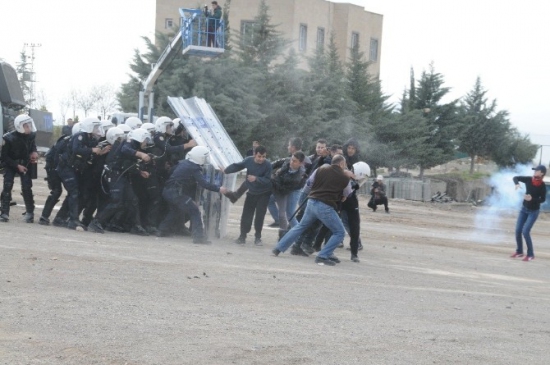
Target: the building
(307, 23)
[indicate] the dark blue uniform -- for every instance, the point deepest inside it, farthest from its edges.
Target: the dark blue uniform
(178, 193)
(16, 151)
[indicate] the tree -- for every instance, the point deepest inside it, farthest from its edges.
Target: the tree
(85, 101)
(513, 149)
(261, 43)
(482, 127)
(104, 97)
(442, 127)
(25, 77)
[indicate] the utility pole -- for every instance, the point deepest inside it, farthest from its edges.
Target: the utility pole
(32, 80)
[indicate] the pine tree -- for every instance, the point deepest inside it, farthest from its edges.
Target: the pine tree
(264, 43)
(482, 126)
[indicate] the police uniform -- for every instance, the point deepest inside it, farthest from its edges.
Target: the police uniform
(17, 150)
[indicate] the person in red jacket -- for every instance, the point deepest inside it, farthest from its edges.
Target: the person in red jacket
(535, 195)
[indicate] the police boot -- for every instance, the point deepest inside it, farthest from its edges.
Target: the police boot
(47, 211)
(76, 225)
(5, 207)
(29, 206)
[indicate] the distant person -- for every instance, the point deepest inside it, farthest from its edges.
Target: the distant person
(212, 22)
(250, 152)
(535, 195)
(378, 194)
(68, 127)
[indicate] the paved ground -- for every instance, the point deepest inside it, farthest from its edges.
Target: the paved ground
(426, 292)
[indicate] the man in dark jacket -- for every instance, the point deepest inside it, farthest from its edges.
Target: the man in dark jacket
(258, 182)
(535, 195)
(212, 22)
(19, 156)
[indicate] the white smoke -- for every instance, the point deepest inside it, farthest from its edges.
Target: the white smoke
(504, 200)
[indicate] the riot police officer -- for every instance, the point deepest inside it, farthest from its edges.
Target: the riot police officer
(74, 160)
(18, 155)
(181, 187)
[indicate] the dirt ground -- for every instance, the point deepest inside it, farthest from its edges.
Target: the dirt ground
(427, 291)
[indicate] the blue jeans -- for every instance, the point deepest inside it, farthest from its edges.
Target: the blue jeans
(291, 205)
(526, 220)
(316, 209)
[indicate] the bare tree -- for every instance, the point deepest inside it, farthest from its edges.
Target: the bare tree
(64, 104)
(105, 99)
(41, 100)
(85, 101)
(73, 97)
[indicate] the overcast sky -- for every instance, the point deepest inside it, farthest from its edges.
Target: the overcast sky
(86, 43)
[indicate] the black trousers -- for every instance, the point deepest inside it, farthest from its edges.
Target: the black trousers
(351, 207)
(255, 207)
(382, 201)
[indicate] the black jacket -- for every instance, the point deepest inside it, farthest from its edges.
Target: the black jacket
(538, 193)
(17, 149)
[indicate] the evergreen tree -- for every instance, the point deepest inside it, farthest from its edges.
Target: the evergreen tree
(482, 127)
(264, 43)
(440, 143)
(514, 148)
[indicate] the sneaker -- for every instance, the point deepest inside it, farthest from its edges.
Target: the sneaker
(374, 209)
(258, 241)
(29, 218)
(387, 211)
(297, 251)
(44, 221)
(4, 217)
(307, 248)
(95, 226)
(360, 247)
(528, 258)
(323, 261)
(274, 225)
(333, 258)
(355, 258)
(241, 240)
(115, 228)
(341, 245)
(275, 252)
(516, 255)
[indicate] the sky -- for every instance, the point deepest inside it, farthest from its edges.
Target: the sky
(85, 43)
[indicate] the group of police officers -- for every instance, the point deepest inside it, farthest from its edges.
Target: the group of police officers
(115, 176)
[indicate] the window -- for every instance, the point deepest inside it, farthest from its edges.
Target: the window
(320, 38)
(373, 53)
(354, 40)
(303, 38)
(168, 23)
(247, 32)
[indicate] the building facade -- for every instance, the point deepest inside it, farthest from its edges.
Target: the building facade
(308, 24)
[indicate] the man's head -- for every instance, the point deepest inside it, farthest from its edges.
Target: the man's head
(351, 150)
(540, 172)
(294, 145)
(336, 149)
(260, 154)
(214, 4)
(339, 160)
(70, 122)
(380, 178)
(297, 160)
(321, 147)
